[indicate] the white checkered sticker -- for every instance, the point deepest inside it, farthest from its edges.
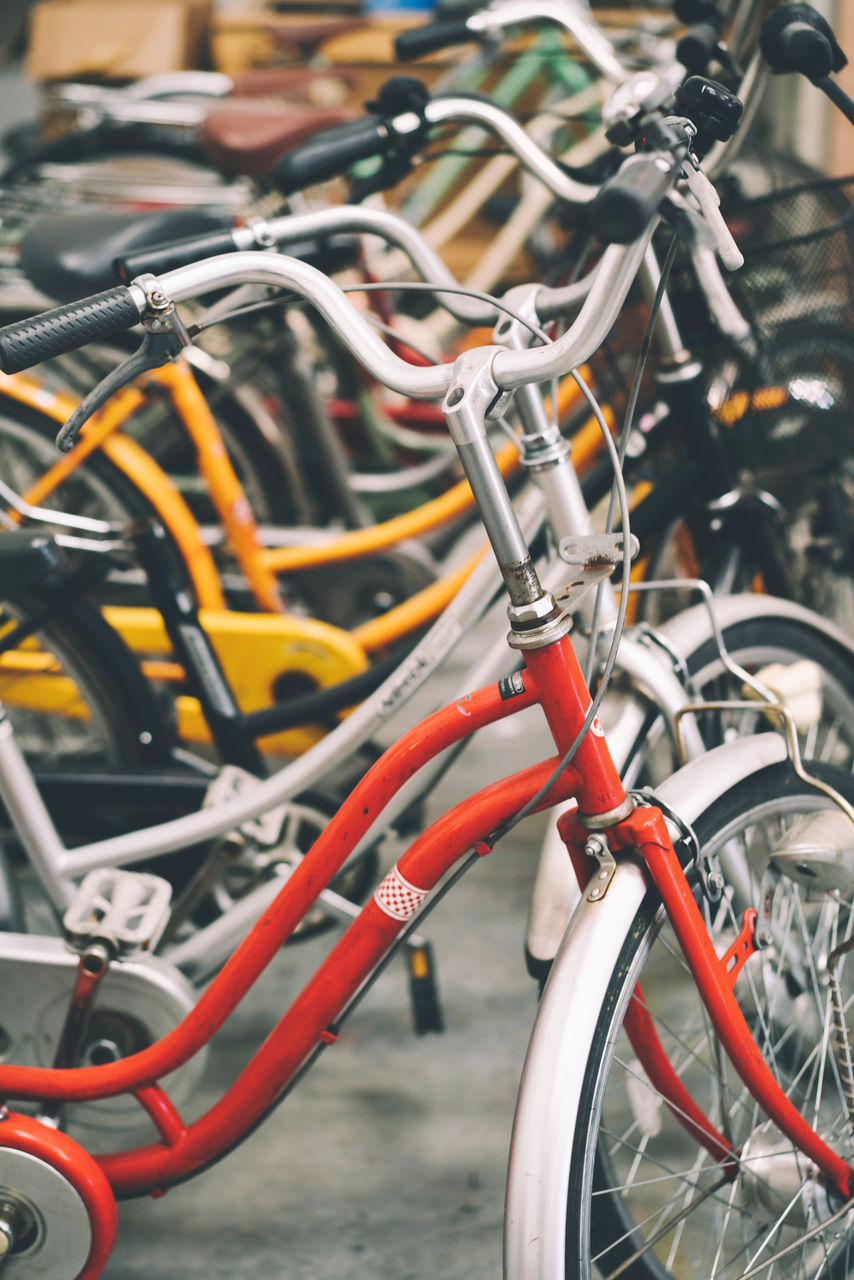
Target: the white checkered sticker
(397, 897)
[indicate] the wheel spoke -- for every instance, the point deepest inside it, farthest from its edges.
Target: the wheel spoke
(653, 1209)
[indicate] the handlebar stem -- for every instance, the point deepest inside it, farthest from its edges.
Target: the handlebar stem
(471, 398)
(545, 451)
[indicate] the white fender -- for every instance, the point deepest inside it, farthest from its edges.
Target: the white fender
(689, 629)
(538, 1174)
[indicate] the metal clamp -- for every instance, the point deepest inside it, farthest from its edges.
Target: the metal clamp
(160, 315)
(708, 869)
(593, 557)
(596, 847)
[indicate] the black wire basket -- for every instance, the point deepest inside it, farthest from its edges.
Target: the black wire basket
(785, 408)
(790, 410)
(798, 248)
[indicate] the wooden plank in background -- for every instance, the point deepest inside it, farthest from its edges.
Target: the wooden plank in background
(841, 160)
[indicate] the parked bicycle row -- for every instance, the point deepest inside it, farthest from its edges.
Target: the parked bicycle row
(299, 463)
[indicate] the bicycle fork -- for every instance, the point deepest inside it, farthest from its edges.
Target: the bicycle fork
(646, 830)
(540, 631)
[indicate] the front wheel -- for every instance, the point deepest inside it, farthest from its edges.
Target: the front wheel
(640, 1198)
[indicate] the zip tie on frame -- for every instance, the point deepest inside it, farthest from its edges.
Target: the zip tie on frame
(397, 897)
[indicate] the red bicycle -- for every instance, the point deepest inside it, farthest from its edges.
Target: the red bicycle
(744, 1115)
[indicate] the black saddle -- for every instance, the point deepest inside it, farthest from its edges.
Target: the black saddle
(68, 256)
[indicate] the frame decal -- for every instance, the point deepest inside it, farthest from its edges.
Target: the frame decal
(397, 897)
(511, 686)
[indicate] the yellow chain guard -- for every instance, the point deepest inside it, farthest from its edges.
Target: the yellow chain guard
(255, 651)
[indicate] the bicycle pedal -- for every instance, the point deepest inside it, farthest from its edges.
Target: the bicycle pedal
(427, 1014)
(231, 781)
(128, 909)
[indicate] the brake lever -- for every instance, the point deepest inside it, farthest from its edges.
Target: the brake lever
(165, 336)
(157, 349)
(708, 199)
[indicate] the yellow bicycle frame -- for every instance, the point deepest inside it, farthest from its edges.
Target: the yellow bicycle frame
(255, 649)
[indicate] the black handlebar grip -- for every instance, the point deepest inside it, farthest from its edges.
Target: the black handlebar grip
(807, 51)
(797, 38)
(28, 342)
(330, 154)
(421, 41)
(158, 258)
(627, 202)
(695, 48)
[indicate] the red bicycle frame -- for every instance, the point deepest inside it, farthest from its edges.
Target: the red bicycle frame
(553, 680)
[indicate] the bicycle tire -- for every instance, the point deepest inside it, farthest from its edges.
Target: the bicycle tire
(124, 727)
(606, 1225)
(97, 489)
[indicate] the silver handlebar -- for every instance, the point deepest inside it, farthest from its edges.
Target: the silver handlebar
(462, 110)
(511, 369)
(364, 220)
(573, 17)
